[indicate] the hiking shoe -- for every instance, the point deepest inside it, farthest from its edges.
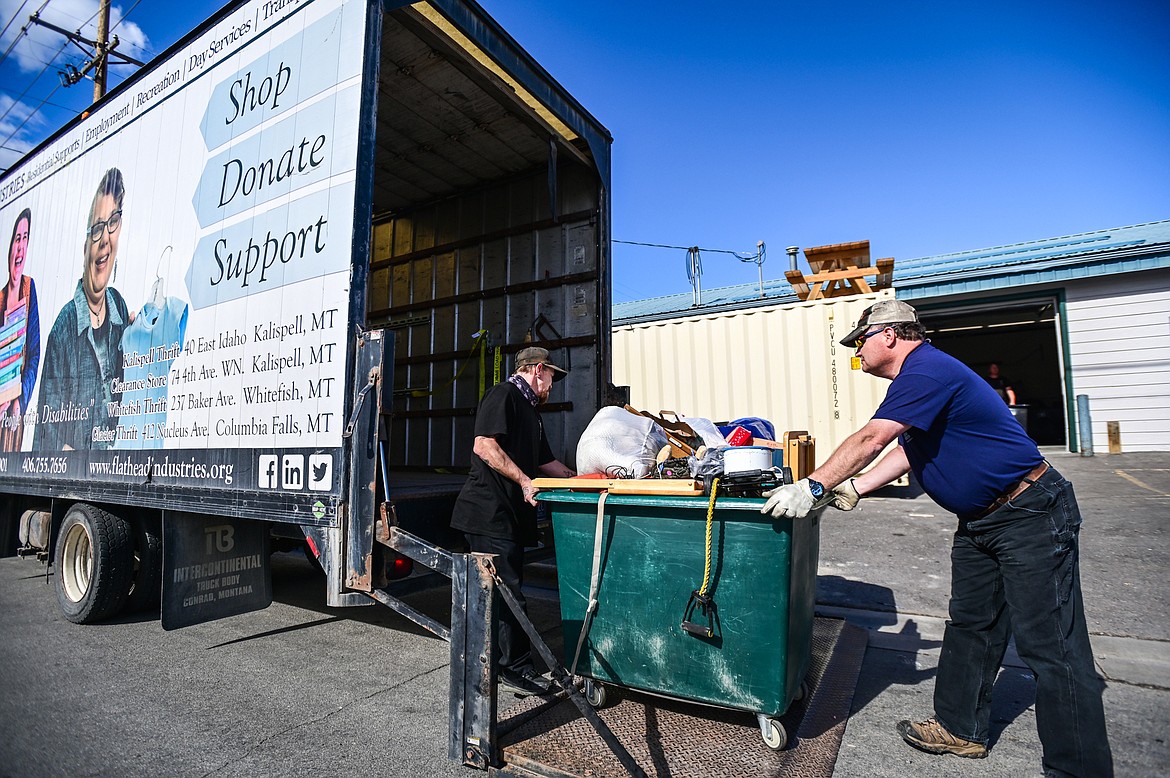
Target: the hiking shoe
(933, 738)
(525, 681)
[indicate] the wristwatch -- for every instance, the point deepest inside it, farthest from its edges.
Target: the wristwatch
(816, 488)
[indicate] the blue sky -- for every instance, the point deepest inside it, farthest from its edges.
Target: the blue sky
(923, 127)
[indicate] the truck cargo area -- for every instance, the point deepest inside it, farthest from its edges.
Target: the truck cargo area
(489, 232)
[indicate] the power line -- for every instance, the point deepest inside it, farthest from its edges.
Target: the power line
(741, 256)
(69, 37)
(13, 19)
(122, 18)
(23, 31)
(25, 92)
(32, 113)
(695, 261)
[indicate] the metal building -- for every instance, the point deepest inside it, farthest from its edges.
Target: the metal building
(1083, 314)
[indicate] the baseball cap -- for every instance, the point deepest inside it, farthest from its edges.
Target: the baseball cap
(535, 355)
(881, 312)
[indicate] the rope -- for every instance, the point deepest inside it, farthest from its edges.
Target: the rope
(480, 337)
(594, 581)
(710, 515)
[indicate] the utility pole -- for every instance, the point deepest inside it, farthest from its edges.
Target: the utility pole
(99, 59)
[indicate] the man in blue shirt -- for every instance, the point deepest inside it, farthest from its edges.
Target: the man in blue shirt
(1014, 568)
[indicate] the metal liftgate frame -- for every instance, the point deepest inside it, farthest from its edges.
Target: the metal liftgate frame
(473, 735)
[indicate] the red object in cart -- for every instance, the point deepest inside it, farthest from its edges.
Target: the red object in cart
(740, 437)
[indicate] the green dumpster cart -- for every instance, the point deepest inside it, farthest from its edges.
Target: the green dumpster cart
(722, 618)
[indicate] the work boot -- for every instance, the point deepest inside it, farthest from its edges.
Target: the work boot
(933, 738)
(525, 681)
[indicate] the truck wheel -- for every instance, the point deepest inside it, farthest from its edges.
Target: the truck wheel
(147, 581)
(95, 564)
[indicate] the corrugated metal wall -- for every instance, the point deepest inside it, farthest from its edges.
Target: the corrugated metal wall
(1119, 344)
(782, 363)
(493, 260)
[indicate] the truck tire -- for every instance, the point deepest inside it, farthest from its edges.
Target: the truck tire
(146, 584)
(95, 564)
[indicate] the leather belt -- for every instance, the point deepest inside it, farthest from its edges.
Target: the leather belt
(1013, 492)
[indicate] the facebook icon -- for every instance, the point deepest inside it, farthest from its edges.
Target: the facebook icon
(266, 477)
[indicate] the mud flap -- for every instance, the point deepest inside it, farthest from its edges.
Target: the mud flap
(213, 567)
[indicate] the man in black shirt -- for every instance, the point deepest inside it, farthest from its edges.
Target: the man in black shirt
(497, 507)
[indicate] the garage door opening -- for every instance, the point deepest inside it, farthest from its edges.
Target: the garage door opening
(1021, 337)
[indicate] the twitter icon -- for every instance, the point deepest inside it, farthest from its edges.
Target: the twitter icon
(320, 472)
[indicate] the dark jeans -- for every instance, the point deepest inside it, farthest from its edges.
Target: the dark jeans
(1015, 572)
(513, 648)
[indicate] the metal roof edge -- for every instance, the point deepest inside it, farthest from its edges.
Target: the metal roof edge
(1075, 237)
(1128, 260)
(702, 310)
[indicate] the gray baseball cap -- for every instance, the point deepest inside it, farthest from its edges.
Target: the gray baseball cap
(535, 355)
(881, 312)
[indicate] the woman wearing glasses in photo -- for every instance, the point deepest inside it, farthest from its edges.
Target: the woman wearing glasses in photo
(83, 355)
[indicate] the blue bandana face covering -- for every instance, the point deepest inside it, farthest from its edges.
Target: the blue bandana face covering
(518, 381)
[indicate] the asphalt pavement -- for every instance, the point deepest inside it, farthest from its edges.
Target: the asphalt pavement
(300, 689)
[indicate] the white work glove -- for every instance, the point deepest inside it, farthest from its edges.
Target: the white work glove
(845, 496)
(794, 501)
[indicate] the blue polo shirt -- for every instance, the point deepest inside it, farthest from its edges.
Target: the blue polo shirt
(964, 445)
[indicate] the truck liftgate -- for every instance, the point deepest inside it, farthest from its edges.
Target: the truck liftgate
(473, 732)
(562, 735)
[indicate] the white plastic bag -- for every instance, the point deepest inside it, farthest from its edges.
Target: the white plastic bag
(620, 444)
(706, 429)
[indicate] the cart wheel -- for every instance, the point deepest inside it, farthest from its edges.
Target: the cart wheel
(594, 693)
(774, 735)
(802, 692)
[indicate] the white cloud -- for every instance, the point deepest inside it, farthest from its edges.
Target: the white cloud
(14, 115)
(40, 43)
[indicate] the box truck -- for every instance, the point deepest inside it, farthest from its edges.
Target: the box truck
(256, 292)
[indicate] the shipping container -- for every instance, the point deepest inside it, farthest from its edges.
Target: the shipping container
(779, 362)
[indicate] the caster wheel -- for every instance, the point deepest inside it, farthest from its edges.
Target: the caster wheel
(594, 693)
(802, 692)
(773, 734)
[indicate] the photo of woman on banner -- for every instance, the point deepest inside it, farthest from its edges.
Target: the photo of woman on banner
(83, 355)
(20, 337)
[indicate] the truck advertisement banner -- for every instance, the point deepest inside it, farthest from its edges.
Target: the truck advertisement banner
(176, 306)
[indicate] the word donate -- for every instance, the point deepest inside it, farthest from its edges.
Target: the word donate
(301, 149)
(248, 179)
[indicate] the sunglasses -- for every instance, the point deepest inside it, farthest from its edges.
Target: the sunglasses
(862, 338)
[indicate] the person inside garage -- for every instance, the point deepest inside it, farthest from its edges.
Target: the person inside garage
(496, 509)
(1002, 386)
(1014, 556)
